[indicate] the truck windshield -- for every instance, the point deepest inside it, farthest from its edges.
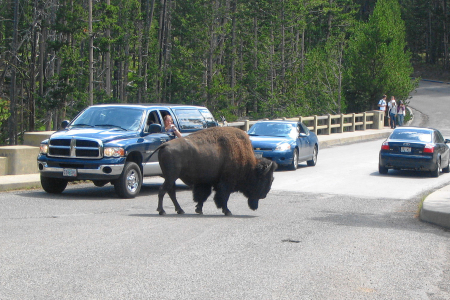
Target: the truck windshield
(121, 118)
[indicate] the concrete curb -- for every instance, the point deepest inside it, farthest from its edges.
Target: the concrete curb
(436, 208)
(19, 182)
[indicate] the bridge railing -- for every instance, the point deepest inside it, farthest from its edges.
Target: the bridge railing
(329, 124)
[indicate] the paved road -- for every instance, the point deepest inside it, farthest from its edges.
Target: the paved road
(352, 170)
(329, 235)
(431, 103)
(88, 244)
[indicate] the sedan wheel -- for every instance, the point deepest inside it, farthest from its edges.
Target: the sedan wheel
(294, 164)
(447, 168)
(313, 161)
(435, 173)
(382, 170)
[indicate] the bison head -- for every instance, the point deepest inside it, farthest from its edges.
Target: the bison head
(261, 183)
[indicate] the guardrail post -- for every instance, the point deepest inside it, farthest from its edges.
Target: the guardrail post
(353, 122)
(364, 121)
(342, 123)
(300, 119)
(329, 124)
(378, 119)
(246, 125)
(315, 124)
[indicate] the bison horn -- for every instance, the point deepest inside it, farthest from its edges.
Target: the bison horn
(267, 168)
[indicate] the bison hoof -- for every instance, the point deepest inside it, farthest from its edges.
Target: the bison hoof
(180, 212)
(199, 211)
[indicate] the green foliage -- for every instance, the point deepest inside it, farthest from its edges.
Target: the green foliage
(4, 110)
(255, 58)
(377, 62)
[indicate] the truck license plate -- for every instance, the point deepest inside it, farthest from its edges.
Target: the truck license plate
(406, 149)
(70, 172)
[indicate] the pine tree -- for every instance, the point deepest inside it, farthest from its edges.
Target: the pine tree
(377, 62)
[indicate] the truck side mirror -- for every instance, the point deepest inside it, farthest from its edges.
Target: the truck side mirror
(64, 124)
(155, 128)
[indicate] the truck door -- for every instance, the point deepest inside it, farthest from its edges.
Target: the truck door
(152, 141)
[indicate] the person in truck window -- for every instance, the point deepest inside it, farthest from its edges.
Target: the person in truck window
(170, 127)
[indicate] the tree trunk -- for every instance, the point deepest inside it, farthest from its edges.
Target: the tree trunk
(108, 60)
(255, 60)
(233, 52)
(31, 103)
(12, 129)
(91, 57)
(125, 71)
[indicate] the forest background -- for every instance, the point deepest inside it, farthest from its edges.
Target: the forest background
(241, 59)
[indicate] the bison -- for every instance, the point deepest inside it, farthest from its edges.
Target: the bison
(221, 158)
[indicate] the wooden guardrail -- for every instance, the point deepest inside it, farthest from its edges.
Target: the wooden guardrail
(331, 123)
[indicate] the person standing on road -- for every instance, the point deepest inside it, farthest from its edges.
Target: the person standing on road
(401, 111)
(382, 103)
(382, 107)
(392, 112)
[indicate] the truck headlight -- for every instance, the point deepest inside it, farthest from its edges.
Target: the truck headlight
(283, 147)
(113, 152)
(43, 149)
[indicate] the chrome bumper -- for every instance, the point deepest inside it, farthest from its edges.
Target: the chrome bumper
(105, 170)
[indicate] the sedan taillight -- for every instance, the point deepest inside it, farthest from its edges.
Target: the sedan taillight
(385, 146)
(429, 148)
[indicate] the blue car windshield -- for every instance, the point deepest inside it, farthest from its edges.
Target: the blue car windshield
(274, 129)
(116, 117)
(411, 135)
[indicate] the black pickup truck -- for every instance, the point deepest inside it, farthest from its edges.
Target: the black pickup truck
(114, 143)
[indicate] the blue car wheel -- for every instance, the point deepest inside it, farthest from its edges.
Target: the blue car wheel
(294, 163)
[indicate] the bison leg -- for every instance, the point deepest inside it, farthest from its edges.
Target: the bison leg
(173, 197)
(201, 192)
(161, 193)
(221, 198)
(168, 187)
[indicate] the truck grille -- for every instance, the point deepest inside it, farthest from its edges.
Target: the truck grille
(75, 148)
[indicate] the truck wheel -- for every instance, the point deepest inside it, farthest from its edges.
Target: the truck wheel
(129, 183)
(53, 185)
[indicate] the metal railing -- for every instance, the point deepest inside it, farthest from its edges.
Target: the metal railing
(331, 123)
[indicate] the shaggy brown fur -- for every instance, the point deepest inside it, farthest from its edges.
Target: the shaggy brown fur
(219, 157)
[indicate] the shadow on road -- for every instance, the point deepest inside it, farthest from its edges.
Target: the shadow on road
(87, 191)
(174, 215)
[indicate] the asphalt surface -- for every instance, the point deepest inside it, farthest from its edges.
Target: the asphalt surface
(435, 208)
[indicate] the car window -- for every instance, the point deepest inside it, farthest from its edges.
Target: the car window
(274, 129)
(303, 128)
(210, 121)
(120, 117)
(438, 137)
(153, 118)
(190, 119)
(412, 135)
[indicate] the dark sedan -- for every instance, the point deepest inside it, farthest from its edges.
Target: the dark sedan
(284, 142)
(413, 148)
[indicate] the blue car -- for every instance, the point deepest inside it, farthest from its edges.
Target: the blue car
(414, 148)
(285, 142)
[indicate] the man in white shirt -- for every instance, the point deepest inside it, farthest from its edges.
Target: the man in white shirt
(382, 103)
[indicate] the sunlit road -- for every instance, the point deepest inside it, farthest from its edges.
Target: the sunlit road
(338, 230)
(352, 170)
